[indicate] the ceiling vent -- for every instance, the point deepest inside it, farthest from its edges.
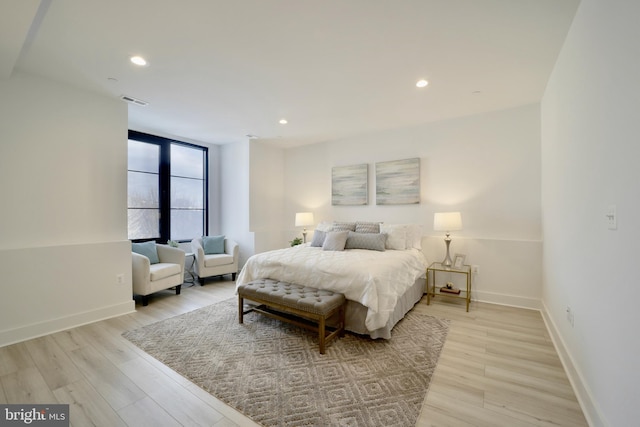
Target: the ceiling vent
(132, 100)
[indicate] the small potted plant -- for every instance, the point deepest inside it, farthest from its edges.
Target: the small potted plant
(172, 243)
(296, 241)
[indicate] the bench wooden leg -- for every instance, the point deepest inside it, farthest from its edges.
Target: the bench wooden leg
(321, 335)
(240, 309)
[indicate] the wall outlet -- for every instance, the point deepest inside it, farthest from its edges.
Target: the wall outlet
(570, 316)
(475, 269)
(120, 279)
(612, 217)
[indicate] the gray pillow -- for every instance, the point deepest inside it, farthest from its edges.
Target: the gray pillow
(147, 249)
(318, 238)
(335, 241)
(369, 241)
(343, 226)
(367, 227)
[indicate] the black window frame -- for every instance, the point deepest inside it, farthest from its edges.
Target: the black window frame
(164, 177)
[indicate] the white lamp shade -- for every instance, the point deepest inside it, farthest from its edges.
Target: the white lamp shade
(447, 221)
(303, 219)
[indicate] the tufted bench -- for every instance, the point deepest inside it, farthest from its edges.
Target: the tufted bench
(277, 297)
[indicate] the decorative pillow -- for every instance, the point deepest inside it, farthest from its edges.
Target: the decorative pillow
(414, 236)
(369, 241)
(344, 226)
(396, 236)
(147, 249)
(367, 227)
(325, 226)
(213, 245)
(335, 241)
(318, 238)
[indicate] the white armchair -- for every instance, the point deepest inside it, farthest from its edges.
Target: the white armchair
(149, 278)
(216, 264)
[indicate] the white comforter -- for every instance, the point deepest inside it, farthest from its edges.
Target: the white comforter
(374, 279)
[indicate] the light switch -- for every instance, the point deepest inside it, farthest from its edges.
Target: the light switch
(612, 218)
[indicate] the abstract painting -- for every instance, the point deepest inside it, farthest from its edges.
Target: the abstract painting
(349, 185)
(398, 182)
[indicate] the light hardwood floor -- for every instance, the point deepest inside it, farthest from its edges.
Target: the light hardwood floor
(498, 368)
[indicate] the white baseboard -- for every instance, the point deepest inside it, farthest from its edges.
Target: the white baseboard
(504, 299)
(583, 394)
(35, 330)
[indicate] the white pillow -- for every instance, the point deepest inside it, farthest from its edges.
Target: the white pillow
(414, 236)
(325, 226)
(396, 236)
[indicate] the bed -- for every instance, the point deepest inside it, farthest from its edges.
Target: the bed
(380, 286)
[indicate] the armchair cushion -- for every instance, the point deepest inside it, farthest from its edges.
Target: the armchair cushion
(161, 270)
(213, 244)
(147, 249)
(216, 260)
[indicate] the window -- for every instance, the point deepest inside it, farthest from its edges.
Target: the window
(167, 189)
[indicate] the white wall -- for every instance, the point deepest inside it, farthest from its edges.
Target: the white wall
(215, 189)
(267, 219)
(63, 222)
(234, 197)
(486, 166)
(590, 152)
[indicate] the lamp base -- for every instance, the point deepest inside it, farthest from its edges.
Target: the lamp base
(304, 236)
(447, 259)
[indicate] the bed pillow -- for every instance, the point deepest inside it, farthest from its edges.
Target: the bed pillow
(369, 241)
(396, 236)
(335, 241)
(318, 238)
(414, 236)
(367, 227)
(344, 226)
(325, 226)
(147, 249)
(213, 245)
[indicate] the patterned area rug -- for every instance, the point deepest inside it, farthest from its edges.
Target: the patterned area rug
(273, 373)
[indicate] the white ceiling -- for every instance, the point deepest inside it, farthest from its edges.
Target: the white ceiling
(221, 69)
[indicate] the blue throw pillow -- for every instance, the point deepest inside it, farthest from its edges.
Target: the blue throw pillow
(147, 249)
(213, 244)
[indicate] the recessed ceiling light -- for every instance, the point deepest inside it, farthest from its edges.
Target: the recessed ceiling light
(283, 121)
(138, 60)
(422, 83)
(132, 100)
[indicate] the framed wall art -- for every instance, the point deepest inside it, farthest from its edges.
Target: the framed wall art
(349, 185)
(398, 182)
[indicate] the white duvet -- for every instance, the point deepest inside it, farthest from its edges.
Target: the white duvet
(374, 279)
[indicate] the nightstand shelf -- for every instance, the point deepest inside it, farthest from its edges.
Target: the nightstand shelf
(434, 287)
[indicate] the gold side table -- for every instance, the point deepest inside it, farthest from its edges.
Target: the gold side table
(433, 288)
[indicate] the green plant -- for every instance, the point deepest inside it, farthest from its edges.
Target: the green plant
(296, 241)
(172, 243)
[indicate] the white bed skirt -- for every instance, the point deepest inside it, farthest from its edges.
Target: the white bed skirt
(356, 313)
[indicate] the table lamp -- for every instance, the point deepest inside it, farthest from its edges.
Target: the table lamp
(303, 219)
(447, 221)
